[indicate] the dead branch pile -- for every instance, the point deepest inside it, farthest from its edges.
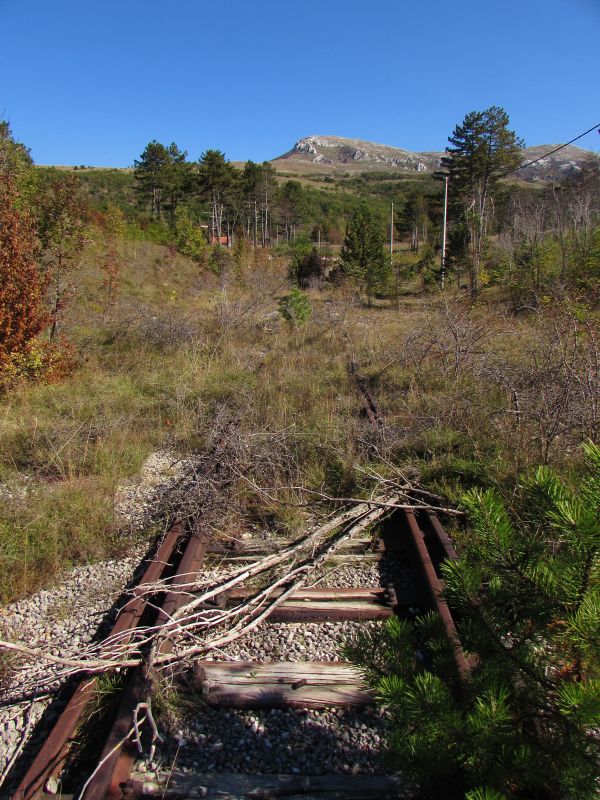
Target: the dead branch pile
(200, 625)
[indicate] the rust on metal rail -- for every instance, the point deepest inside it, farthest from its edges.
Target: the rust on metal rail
(53, 752)
(119, 754)
(441, 536)
(435, 589)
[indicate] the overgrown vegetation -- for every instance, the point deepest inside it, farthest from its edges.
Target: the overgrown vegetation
(524, 724)
(142, 311)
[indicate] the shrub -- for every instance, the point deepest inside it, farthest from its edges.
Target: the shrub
(528, 599)
(295, 307)
(22, 314)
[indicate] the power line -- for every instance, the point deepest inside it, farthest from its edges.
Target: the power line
(556, 149)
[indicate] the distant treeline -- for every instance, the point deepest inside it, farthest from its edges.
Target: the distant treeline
(255, 202)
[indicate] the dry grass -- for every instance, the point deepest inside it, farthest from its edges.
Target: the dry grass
(183, 347)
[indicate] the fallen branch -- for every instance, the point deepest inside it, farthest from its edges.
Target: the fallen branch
(103, 761)
(123, 651)
(360, 500)
(249, 625)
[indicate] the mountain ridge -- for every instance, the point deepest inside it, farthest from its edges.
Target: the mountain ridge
(335, 154)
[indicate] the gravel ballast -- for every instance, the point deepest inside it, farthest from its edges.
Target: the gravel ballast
(60, 621)
(308, 742)
(64, 620)
(305, 741)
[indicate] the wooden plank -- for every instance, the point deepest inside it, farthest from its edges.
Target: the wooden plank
(374, 593)
(281, 672)
(351, 558)
(261, 547)
(321, 605)
(174, 784)
(292, 684)
(281, 696)
(315, 611)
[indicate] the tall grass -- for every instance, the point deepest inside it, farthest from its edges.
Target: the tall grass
(182, 347)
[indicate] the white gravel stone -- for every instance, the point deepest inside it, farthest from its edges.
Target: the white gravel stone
(136, 502)
(61, 620)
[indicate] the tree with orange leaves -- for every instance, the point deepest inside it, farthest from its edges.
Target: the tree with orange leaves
(22, 290)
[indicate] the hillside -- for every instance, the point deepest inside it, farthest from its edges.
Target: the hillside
(335, 154)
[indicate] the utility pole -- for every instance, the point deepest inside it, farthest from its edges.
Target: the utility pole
(395, 271)
(443, 265)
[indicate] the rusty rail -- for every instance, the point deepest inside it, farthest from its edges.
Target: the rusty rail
(435, 589)
(119, 754)
(53, 752)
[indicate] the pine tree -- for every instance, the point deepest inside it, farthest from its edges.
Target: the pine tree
(152, 173)
(292, 207)
(189, 238)
(306, 267)
(483, 148)
(217, 181)
(527, 593)
(178, 180)
(363, 254)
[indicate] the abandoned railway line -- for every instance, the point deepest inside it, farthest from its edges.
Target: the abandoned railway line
(227, 655)
(272, 679)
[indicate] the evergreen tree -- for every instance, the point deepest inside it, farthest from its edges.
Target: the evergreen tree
(413, 219)
(292, 207)
(177, 180)
(250, 189)
(295, 307)
(217, 181)
(363, 254)
(189, 238)
(268, 187)
(306, 267)
(483, 148)
(153, 175)
(527, 593)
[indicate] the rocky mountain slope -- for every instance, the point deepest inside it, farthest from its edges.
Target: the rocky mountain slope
(335, 154)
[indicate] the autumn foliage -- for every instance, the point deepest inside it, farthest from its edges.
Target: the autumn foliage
(22, 312)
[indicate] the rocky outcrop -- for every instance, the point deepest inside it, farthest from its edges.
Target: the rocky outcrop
(331, 153)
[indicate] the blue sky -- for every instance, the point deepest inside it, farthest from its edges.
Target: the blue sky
(93, 82)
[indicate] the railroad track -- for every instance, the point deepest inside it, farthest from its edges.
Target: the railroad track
(409, 542)
(415, 539)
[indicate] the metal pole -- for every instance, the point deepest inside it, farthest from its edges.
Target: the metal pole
(392, 233)
(443, 265)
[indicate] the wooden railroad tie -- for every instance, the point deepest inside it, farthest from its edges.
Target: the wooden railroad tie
(337, 605)
(174, 784)
(280, 684)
